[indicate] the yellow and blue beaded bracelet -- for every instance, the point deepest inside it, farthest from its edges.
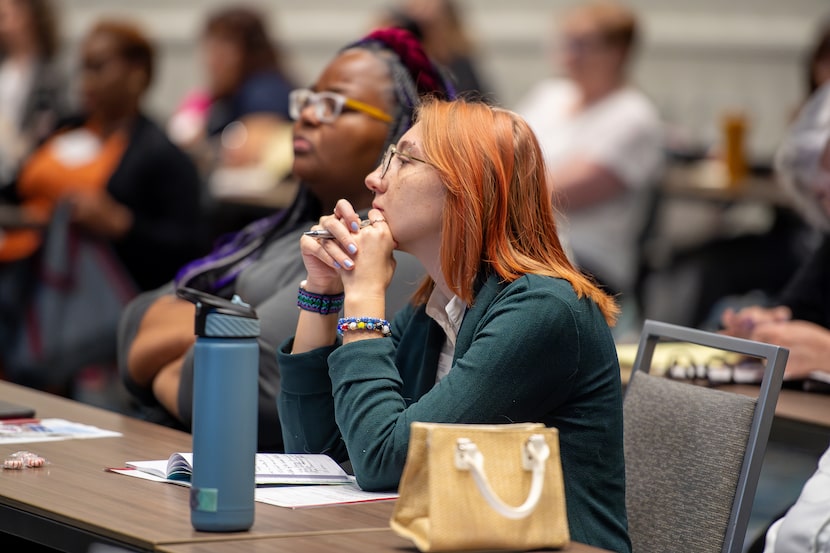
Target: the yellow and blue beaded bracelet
(370, 324)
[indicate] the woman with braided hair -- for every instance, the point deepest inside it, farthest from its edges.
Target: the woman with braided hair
(361, 102)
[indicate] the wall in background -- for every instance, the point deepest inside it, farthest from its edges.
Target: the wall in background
(697, 60)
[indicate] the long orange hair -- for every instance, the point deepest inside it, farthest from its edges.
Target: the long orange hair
(497, 218)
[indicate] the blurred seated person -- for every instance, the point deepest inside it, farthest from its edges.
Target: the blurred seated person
(361, 103)
(800, 318)
(440, 26)
(241, 120)
(739, 264)
(34, 92)
(602, 141)
(818, 61)
(127, 182)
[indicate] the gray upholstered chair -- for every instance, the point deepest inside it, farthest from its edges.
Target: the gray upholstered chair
(693, 454)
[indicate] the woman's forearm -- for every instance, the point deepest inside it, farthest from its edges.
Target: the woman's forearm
(165, 334)
(315, 330)
(166, 386)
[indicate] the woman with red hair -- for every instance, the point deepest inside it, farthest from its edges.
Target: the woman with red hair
(503, 329)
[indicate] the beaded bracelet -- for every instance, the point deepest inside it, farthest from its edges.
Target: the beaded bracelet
(319, 303)
(364, 323)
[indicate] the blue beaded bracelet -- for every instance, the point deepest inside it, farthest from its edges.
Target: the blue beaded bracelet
(364, 323)
(319, 303)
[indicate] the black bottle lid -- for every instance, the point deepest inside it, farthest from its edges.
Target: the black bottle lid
(208, 304)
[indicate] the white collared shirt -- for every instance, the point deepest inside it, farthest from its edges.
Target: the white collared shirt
(448, 313)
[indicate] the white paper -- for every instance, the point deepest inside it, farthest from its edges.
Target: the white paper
(135, 473)
(293, 497)
(822, 376)
(154, 468)
(318, 496)
(50, 430)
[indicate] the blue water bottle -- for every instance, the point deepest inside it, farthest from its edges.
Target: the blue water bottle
(225, 398)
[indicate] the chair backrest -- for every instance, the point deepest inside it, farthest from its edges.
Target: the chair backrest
(693, 454)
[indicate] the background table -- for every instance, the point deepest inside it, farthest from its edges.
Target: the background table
(795, 405)
(798, 406)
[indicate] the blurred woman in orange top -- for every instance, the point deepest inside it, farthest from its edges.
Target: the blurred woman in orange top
(127, 182)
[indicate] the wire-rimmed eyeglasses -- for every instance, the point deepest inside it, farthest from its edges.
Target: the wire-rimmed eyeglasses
(329, 105)
(391, 152)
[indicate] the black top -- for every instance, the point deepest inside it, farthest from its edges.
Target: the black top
(160, 185)
(808, 292)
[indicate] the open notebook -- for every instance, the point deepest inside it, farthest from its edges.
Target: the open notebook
(271, 468)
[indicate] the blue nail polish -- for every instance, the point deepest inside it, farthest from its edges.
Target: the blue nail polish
(336, 264)
(348, 263)
(352, 248)
(355, 227)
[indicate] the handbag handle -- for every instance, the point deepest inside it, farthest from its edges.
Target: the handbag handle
(534, 454)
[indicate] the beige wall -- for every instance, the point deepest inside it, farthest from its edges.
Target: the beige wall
(698, 58)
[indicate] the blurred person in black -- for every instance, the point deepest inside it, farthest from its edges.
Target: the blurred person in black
(134, 197)
(127, 182)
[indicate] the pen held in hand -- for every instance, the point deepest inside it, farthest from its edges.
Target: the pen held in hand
(324, 234)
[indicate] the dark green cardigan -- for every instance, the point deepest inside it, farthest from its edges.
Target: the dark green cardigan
(528, 351)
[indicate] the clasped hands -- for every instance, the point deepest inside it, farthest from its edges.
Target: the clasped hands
(357, 259)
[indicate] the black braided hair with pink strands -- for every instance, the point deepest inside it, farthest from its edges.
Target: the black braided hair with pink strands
(413, 73)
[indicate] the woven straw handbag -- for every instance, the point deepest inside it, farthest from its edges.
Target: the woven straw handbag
(482, 487)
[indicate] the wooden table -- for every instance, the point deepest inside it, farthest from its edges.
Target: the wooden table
(355, 542)
(73, 502)
(707, 180)
(805, 407)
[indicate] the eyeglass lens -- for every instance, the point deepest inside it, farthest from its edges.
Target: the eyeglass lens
(387, 160)
(326, 107)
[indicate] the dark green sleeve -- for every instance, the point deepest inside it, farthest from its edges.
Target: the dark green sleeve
(305, 405)
(519, 367)
(807, 294)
